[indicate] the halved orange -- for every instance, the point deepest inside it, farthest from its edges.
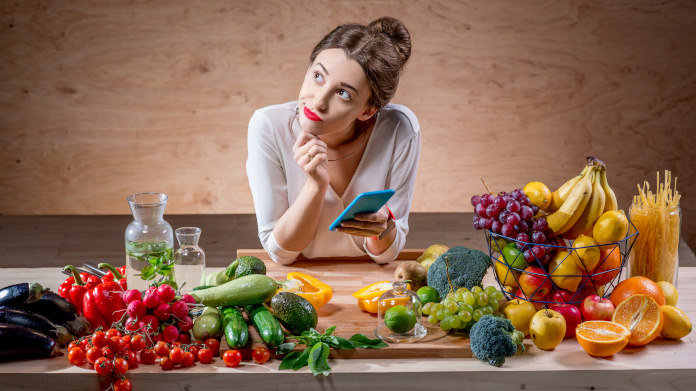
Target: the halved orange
(602, 338)
(642, 316)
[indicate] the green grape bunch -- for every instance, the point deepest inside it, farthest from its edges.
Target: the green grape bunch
(463, 308)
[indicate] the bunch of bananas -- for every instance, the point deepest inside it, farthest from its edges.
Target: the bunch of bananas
(578, 203)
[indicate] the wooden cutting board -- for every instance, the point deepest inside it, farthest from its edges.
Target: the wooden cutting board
(346, 276)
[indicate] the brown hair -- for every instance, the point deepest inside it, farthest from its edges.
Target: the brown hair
(381, 48)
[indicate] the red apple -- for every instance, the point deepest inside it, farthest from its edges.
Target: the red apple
(572, 317)
(535, 282)
(563, 296)
(537, 300)
(596, 308)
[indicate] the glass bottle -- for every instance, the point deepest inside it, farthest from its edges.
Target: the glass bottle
(399, 315)
(149, 239)
(655, 252)
(189, 259)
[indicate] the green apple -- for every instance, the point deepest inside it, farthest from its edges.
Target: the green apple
(520, 313)
(547, 329)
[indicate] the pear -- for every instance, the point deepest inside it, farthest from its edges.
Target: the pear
(430, 255)
(413, 271)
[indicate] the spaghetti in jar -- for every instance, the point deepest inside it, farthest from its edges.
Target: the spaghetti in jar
(657, 217)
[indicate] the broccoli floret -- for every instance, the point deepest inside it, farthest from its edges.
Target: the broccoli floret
(460, 267)
(493, 339)
(244, 266)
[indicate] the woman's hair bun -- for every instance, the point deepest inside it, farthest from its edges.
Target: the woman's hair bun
(397, 33)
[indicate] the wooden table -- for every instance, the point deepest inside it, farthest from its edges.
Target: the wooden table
(663, 364)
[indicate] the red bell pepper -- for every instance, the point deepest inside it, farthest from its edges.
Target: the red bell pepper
(89, 280)
(109, 297)
(91, 311)
(77, 290)
(114, 273)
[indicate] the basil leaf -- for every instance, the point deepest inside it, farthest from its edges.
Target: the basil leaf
(341, 343)
(288, 361)
(301, 360)
(361, 341)
(329, 331)
(147, 272)
(285, 348)
(319, 359)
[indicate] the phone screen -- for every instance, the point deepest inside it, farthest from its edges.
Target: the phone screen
(364, 203)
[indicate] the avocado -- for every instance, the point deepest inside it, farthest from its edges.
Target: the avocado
(244, 266)
(295, 312)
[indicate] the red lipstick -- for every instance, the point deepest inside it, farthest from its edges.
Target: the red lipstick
(310, 115)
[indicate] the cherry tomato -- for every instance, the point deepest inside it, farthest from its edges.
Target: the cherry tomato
(194, 350)
(126, 338)
(103, 366)
(122, 385)
(137, 343)
(99, 339)
(162, 349)
(108, 353)
(148, 356)
(132, 359)
(113, 333)
(232, 358)
(93, 354)
(73, 344)
(260, 355)
(176, 344)
(188, 359)
(117, 344)
(85, 344)
(176, 355)
(166, 363)
(77, 356)
(205, 355)
(214, 345)
(120, 365)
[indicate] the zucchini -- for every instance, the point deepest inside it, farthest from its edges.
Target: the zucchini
(198, 288)
(252, 289)
(234, 326)
(268, 325)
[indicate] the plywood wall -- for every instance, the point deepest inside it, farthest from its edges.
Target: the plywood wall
(101, 99)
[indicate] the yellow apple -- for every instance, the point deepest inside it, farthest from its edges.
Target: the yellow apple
(547, 329)
(564, 272)
(520, 313)
(506, 276)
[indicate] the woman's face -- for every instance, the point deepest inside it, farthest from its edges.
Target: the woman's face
(334, 94)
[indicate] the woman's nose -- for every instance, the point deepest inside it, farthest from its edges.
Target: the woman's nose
(321, 98)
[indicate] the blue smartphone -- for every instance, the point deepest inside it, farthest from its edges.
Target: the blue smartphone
(368, 202)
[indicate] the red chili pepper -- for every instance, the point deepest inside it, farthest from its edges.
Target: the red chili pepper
(78, 289)
(91, 311)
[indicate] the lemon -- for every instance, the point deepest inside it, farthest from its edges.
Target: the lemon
(670, 291)
(611, 227)
(586, 254)
(428, 294)
(506, 276)
(400, 319)
(538, 194)
(677, 325)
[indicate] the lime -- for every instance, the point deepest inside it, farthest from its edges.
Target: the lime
(428, 294)
(513, 256)
(400, 319)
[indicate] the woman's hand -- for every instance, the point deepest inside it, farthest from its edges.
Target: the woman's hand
(366, 224)
(310, 154)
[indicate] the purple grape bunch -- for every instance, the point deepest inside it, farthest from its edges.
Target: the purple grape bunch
(512, 216)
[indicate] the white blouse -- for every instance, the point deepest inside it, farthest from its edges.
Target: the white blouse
(390, 161)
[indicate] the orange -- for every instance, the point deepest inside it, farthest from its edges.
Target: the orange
(608, 260)
(601, 338)
(635, 286)
(642, 316)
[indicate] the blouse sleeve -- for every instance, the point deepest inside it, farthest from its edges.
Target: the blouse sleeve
(268, 183)
(402, 178)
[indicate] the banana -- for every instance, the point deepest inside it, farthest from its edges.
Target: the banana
(569, 213)
(594, 208)
(611, 203)
(559, 196)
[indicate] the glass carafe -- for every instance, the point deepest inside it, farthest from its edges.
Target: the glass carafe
(399, 315)
(149, 239)
(189, 259)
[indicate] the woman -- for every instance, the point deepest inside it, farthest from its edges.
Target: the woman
(310, 158)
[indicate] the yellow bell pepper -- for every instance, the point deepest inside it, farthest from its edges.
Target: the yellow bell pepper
(372, 305)
(315, 291)
(368, 296)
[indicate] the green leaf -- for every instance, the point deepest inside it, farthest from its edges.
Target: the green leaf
(319, 359)
(147, 272)
(361, 341)
(329, 331)
(341, 343)
(288, 361)
(285, 348)
(301, 360)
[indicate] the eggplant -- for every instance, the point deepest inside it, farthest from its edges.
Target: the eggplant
(59, 311)
(19, 342)
(19, 294)
(36, 322)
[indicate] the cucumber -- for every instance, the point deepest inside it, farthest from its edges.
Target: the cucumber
(252, 289)
(268, 325)
(234, 326)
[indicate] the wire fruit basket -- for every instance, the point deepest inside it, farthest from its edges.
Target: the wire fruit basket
(543, 283)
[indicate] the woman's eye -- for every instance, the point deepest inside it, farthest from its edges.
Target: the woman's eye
(344, 94)
(318, 77)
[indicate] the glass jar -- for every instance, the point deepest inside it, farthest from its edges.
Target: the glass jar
(399, 315)
(149, 240)
(655, 253)
(189, 260)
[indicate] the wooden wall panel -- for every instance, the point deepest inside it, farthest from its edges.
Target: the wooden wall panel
(102, 99)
